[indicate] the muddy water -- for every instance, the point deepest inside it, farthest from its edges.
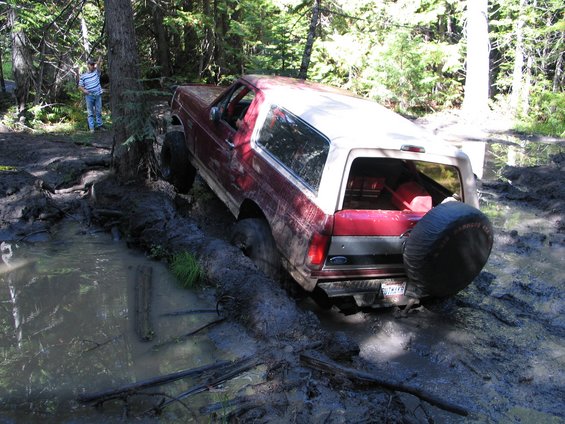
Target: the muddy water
(66, 315)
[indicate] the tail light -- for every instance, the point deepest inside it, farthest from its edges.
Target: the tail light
(317, 250)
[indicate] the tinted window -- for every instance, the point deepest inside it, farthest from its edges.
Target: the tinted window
(295, 144)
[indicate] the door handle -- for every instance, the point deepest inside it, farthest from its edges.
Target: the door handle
(229, 143)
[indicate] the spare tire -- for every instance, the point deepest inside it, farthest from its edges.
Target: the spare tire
(447, 249)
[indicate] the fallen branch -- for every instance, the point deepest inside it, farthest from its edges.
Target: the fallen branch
(181, 338)
(143, 326)
(233, 371)
(132, 388)
(189, 312)
(97, 345)
(363, 378)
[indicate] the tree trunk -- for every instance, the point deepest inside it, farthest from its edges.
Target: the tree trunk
(126, 102)
(221, 26)
(236, 42)
(525, 92)
(40, 71)
(558, 76)
(303, 73)
(518, 72)
(162, 41)
(2, 81)
(21, 63)
(207, 43)
(84, 32)
(190, 51)
(477, 87)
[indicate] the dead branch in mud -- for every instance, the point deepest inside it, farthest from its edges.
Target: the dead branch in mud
(128, 389)
(233, 371)
(113, 213)
(143, 326)
(189, 312)
(104, 343)
(365, 379)
(22, 238)
(179, 339)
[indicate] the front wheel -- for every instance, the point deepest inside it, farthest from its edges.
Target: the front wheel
(175, 166)
(253, 236)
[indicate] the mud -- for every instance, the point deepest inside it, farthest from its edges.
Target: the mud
(496, 350)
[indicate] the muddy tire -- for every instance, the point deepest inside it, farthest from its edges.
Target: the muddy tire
(175, 166)
(448, 248)
(253, 236)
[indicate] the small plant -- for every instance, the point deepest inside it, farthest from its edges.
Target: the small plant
(158, 252)
(186, 269)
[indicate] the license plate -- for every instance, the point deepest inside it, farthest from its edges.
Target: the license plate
(393, 289)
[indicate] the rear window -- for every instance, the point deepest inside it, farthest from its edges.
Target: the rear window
(295, 144)
(396, 184)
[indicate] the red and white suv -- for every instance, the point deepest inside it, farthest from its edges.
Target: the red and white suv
(360, 205)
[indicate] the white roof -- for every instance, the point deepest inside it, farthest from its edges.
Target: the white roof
(352, 122)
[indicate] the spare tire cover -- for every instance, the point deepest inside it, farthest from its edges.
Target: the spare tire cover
(447, 248)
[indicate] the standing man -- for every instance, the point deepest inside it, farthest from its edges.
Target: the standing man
(89, 84)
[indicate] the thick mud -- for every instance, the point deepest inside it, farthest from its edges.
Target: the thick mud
(493, 353)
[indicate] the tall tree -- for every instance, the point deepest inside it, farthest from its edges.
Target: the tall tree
(21, 61)
(303, 73)
(128, 120)
(477, 85)
(161, 40)
(518, 71)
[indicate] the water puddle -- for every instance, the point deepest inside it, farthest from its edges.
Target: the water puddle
(66, 314)
(488, 159)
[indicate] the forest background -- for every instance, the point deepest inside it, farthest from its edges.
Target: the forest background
(413, 56)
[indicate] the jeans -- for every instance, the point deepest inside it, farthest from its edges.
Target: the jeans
(94, 110)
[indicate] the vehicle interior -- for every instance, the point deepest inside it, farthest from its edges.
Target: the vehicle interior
(396, 184)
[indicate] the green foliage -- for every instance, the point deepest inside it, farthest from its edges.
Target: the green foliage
(546, 114)
(186, 269)
(406, 54)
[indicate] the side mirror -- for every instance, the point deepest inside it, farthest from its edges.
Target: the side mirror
(215, 114)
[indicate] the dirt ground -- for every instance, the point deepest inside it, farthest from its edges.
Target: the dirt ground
(493, 353)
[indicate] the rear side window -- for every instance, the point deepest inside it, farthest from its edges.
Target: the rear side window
(295, 144)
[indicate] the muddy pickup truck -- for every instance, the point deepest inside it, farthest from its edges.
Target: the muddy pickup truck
(359, 205)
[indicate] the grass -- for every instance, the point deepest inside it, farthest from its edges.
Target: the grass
(187, 270)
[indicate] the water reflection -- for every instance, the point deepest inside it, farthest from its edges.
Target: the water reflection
(66, 318)
(488, 159)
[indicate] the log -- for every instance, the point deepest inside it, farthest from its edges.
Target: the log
(189, 312)
(366, 379)
(102, 396)
(143, 326)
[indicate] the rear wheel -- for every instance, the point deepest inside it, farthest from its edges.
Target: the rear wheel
(253, 236)
(175, 166)
(448, 248)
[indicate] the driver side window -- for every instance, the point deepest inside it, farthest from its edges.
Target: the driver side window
(234, 106)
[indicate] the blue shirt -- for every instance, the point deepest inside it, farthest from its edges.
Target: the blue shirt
(91, 81)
